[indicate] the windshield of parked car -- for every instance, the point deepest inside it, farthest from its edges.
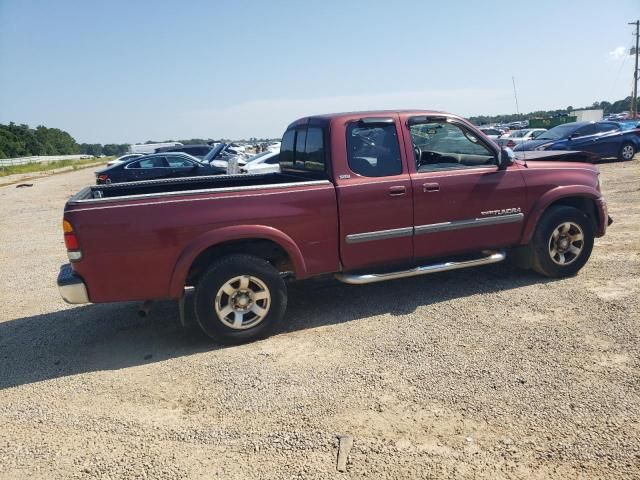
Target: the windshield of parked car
(561, 131)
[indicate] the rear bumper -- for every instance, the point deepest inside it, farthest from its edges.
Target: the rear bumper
(71, 286)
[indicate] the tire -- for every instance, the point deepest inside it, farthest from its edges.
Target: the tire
(240, 286)
(562, 242)
(627, 151)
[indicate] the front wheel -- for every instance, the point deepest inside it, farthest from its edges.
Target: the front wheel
(240, 298)
(627, 151)
(562, 242)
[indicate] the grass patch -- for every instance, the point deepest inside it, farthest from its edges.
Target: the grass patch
(46, 166)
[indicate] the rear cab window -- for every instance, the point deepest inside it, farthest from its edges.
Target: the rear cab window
(303, 151)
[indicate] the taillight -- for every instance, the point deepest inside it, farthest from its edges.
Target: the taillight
(71, 242)
(511, 144)
(103, 178)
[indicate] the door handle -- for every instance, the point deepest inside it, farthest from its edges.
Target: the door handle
(431, 187)
(397, 191)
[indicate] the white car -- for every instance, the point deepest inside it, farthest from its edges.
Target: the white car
(492, 133)
(265, 162)
(515, 138)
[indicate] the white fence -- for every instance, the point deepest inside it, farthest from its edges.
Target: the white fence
(5, 162)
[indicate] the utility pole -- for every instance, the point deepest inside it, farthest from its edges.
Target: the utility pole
(634, 98)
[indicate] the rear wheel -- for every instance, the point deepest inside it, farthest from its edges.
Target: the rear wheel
(562, 242)
(627, 151)
(240, 298)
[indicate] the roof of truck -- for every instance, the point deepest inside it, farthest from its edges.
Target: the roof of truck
(328, 117)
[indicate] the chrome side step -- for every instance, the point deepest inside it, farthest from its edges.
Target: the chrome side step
(490, 257)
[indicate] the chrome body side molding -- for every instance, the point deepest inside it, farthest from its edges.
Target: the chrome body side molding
(471, 223)
(354, 279)
(379, 235)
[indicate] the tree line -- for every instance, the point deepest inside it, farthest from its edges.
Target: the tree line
(618, 106)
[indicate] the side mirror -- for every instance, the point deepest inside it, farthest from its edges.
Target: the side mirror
(505, 158)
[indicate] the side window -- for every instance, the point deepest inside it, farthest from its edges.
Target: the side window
(153, 162)
(606, 127)
(314, 150)
(537, 133)
(286, 148)
(179, 162)
(300, 155)
(442, 145)
(302, 149)
(373, 151)
(586, 130)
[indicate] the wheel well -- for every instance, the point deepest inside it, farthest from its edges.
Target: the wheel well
(267, 249)
(584, 204)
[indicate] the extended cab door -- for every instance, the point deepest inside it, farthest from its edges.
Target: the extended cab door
(374, 192)
(463, 202)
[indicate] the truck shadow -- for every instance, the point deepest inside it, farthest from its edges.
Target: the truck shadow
(113, 336)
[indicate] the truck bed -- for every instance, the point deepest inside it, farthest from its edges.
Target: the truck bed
(187, 185)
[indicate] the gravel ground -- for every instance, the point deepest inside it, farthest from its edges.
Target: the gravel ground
(480, 373)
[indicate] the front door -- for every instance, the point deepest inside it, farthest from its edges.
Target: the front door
(374, 195)
(463, 202)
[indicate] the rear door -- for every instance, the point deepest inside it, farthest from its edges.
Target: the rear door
(180, 166)
(585, 139)
(609, 139)
(463, 202)
(374, 194)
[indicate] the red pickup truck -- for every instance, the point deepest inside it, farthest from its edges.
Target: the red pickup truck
(363, 197)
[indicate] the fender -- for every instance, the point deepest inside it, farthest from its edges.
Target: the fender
(550, 197)
(226, 234)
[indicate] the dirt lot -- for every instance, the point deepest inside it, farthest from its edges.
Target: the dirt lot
(488, 373)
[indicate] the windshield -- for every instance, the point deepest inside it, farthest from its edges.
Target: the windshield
(214, 153)
(556, 133)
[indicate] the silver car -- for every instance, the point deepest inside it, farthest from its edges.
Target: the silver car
(516, 137)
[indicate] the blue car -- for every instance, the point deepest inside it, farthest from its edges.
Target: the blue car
(604, 139)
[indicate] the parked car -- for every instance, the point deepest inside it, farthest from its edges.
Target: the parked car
(492, 133)
(265, 162)
(124, 158)
(364, 197)
(516, 137)
(155, 166)
(605, 139)
(198, 151)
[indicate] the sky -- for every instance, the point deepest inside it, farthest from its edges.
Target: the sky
(130, 71)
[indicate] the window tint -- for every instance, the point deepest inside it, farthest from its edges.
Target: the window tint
(586, 130)
(299, 155)
(441, 145)
(373, 151)
(286, 148)
(153, 162)
(179, 162)
(302, 149)
(606, 127)
(314, 150)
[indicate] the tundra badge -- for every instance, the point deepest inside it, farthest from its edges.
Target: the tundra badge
(504, 211)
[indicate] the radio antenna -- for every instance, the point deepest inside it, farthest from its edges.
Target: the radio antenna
(515, 95)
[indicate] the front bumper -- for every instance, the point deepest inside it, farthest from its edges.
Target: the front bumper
(71, 286)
